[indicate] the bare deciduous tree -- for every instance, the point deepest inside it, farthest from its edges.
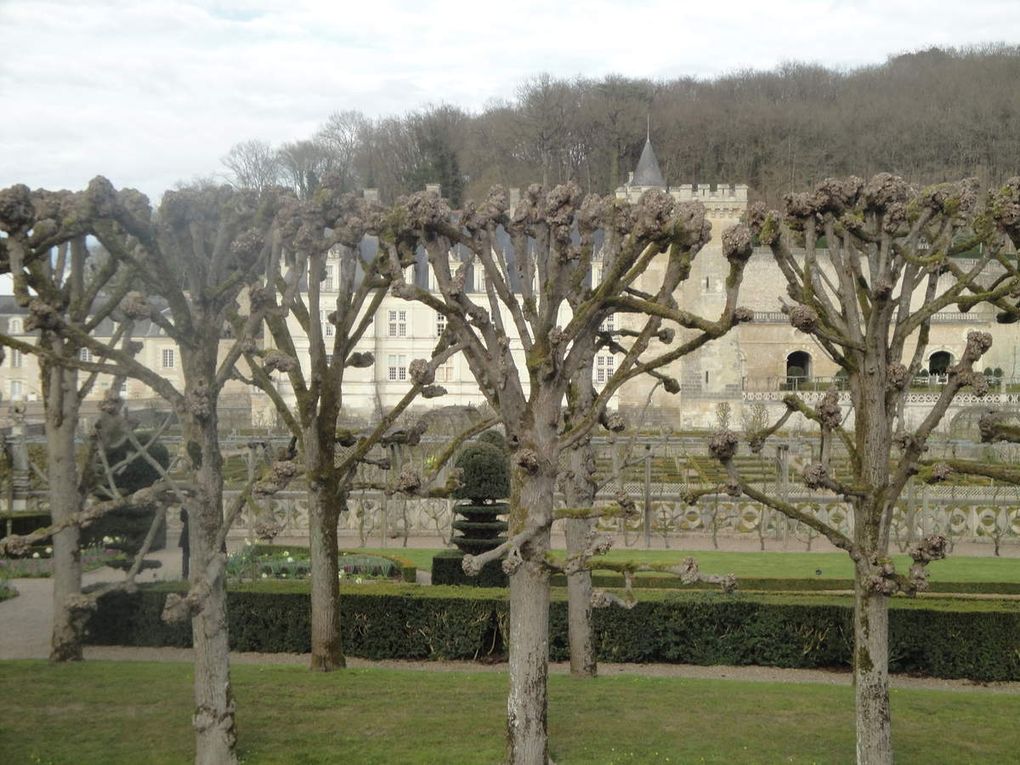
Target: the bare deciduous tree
(200, 253)
(535, 281)
(61, 284)
(330, 222)
(867, 294)
(254, 165)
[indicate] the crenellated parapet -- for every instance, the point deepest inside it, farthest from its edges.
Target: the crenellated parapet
(722, 200)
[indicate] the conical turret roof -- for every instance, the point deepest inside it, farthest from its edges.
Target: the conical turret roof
(648, 172)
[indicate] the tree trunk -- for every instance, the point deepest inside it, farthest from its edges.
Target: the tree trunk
(528, 702)
(579, 610)
(62, 473)
(213, 721)
(579, 492)
(327, 650)
(871, 676)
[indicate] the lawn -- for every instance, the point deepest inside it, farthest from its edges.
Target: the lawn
(779, 565)
(107, 712)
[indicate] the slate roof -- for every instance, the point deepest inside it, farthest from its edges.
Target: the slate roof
(648, 172)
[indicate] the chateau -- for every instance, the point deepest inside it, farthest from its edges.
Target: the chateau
(756, 363)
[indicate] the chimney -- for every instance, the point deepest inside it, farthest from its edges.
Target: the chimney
(515, 198)
(371, 195)
(433, 188)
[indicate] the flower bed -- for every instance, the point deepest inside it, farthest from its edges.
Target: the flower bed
(268, 562)
(38, 563)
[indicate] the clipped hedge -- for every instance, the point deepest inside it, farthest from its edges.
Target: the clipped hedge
(941, 639)
(447, 569)
(606, 580)
(400, 624)
(23, 522)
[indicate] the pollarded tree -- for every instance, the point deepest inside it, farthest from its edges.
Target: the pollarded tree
(329, 222)
(867, 267)
(201, 252)
(62, 284)
(537, 292)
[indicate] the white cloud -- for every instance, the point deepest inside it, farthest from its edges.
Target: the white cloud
(151, 93)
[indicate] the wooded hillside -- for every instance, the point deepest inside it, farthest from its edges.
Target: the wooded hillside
(929, 116)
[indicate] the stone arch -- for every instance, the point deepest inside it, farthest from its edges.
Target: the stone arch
(798, 368)
(939, 362)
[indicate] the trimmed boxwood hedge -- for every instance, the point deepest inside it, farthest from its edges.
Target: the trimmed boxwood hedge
(965, 640)
(776, 584)
(447, 569)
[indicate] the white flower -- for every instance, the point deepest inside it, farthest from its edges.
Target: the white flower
(286, 553)
(49, 550)
(107, 540)
(342, 574)
(283, 574)
(290, 559)
(265, 575)
(35, 555)
(247, 543)
(358, 580)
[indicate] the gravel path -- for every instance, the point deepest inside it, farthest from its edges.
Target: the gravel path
(25, 623)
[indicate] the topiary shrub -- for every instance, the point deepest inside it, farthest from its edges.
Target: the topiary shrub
(485, 479)
(485, 474)
(128, 526)
(493, 438)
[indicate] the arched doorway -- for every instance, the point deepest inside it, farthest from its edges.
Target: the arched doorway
(938, 365)
(798, 369)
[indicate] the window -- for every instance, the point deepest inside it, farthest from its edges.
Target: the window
(330, 284)
(327, 326)
(444, 372)
(440, 324)
(329, 359)
(398, 323)
(15, 389)
(609, 325)
(15, 327)
(396, 368)
(85, 355)
(604, 368)
(168, 358)
(16, 359)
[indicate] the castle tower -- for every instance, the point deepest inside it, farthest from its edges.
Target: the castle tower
(713, 373)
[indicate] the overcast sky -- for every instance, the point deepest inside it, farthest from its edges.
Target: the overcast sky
(153, 92)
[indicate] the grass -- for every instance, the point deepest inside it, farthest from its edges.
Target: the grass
(833, 565)
(103, 712)
(779, 565)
